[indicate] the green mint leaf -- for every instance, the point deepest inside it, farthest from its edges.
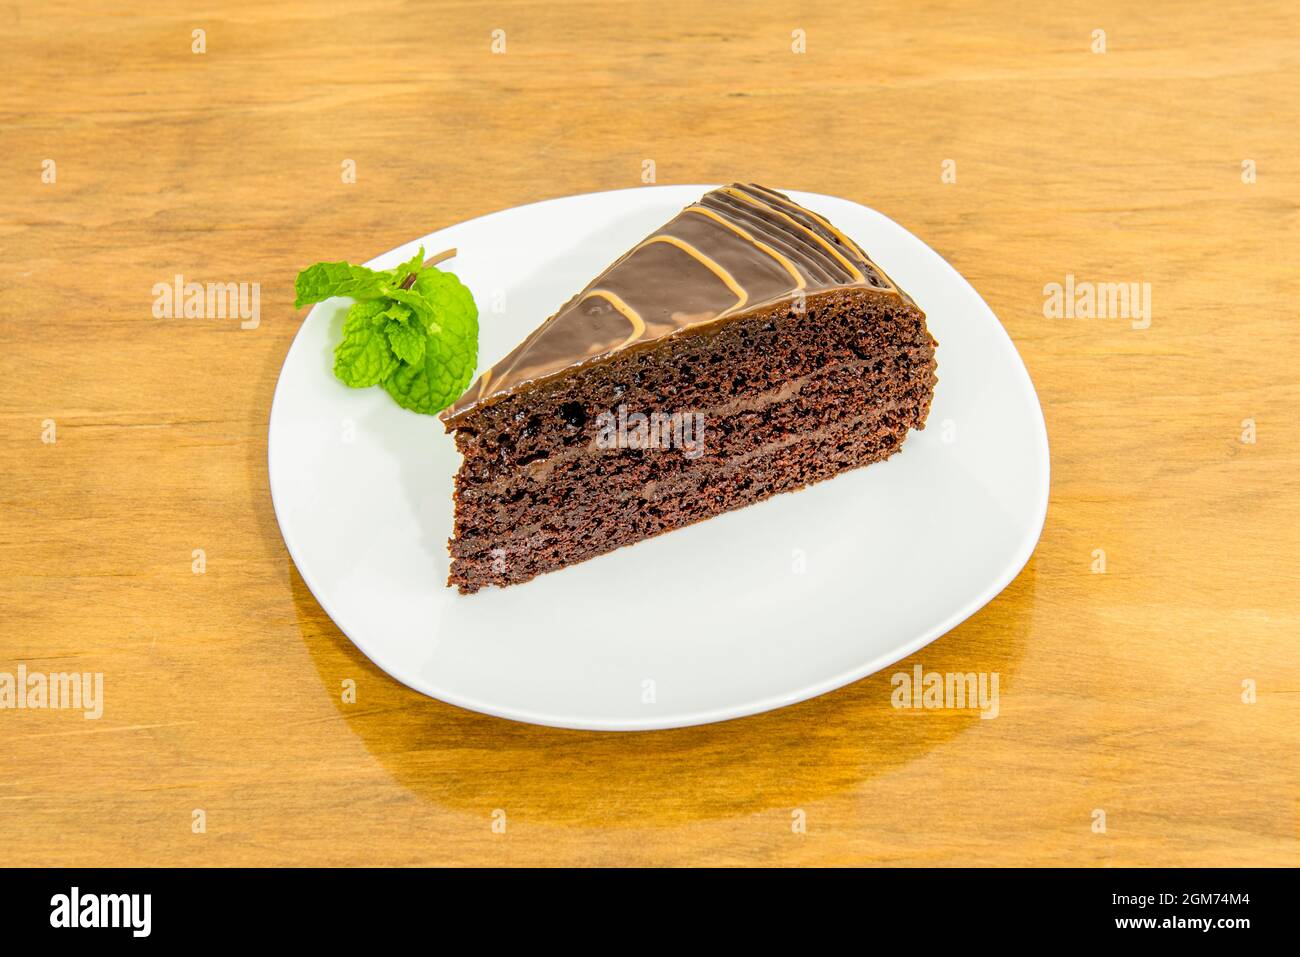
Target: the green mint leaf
(325, 280)
(416, 302)
(427, 388)
(398, 312)
(420, 342)
(408, 267)
(450, 352)
(364, 356)
(408, 341)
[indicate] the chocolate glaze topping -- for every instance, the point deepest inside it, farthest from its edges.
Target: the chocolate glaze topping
(740, 248)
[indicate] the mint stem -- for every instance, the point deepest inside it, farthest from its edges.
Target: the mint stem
(443, 256)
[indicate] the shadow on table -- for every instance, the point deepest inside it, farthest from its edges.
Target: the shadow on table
(782, 759)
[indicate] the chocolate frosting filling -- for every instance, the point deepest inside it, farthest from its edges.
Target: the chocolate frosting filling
(740, 248)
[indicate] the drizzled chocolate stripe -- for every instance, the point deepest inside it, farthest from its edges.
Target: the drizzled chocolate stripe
(740, 248)
(874, 272)
(790, 267)
(813, 260)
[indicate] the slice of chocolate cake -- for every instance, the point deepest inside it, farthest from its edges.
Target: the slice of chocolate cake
(746, 348)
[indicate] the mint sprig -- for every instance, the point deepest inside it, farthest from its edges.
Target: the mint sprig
(413, 329)
(325, 280)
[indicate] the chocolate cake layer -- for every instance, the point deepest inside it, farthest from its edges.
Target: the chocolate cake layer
(493, 519)
(592, 527)
(733, 428)
(765, 349)
(745, 349)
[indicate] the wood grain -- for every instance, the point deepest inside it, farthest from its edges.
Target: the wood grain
(1121, 692)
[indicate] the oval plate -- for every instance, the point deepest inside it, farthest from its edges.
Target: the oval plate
(746, 612)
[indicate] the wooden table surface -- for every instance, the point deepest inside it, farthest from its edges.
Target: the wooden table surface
(1163, 692)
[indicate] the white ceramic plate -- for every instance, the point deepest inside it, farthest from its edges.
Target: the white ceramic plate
(746, 612)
